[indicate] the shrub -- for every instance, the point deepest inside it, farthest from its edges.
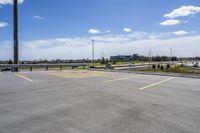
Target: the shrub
(168, 66)
(103, 61)
(154, 66)
(114, 62)
(177, 68)
(10, 62)
(162, 67)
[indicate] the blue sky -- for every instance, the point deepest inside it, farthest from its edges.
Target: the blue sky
(50, 25)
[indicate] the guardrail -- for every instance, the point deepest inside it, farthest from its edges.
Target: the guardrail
(31, 66)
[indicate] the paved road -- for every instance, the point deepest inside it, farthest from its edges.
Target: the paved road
(41, 102)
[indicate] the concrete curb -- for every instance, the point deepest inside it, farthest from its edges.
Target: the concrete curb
(151, 73)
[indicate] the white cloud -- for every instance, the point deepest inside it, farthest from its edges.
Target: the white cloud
(3, 24)
(80, 47)
(5, 2)
(94, 31)
(183, 11)
(193, 32)
(180, 33)
(127, 30)
(170, 22)
(108, 31)
(38, 17)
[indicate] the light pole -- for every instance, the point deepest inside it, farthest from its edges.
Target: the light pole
(93, 52)
(150, 58)
(15, 35)
(170, 55)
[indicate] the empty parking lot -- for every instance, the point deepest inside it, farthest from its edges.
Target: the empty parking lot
(81, 101)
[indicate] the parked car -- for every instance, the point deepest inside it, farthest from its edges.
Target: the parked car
(196, 65)
(6, 69)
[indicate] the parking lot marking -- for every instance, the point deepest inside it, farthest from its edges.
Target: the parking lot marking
(154, 84)
(24, 77)
(114, 80)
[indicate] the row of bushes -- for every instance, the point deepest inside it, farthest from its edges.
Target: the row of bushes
(169, 68)
(175, 69)
(161, 67)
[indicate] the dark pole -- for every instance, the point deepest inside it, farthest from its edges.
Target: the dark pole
(93, 52)
(15, 12)
(170, 55)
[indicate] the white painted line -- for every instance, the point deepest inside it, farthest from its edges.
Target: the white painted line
(114, 80)
(24, 77)
(154, 84)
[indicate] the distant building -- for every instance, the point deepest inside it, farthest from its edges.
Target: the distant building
(124, 57)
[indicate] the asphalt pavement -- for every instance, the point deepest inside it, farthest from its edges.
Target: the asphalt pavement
(98, 102)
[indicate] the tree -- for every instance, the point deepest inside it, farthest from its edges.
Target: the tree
(162, 67)
(154, 66)
(10, 62)
(158, 65)
(103, 61)
(114, 62)
(168, 66)
(107, 61)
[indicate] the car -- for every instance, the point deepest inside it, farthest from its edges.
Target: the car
(109, 66)
(196, 65)
(6, 69)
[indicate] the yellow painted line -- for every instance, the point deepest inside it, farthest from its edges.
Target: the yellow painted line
(158, 83)
(24, 77)
(114, 80)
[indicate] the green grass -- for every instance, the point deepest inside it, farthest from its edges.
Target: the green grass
(98, 64)
(173, 69)
(133, 62)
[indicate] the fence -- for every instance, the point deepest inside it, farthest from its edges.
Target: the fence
(46, 66)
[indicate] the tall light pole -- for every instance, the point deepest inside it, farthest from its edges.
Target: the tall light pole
(150, 57)
(15, 35)
(170, 55)
(93, 52)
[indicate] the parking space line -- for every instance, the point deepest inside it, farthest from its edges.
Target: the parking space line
(154, 84)
(114, 80)
(24, 77)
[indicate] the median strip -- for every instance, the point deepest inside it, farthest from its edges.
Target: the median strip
(24, 77)
(119, 79)
(154, 84)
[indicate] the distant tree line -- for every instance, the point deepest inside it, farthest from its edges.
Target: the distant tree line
(103, 60)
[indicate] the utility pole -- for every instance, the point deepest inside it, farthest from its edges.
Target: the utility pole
(15, 35)
(150, 58)
(93, 52)
(170, 55)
